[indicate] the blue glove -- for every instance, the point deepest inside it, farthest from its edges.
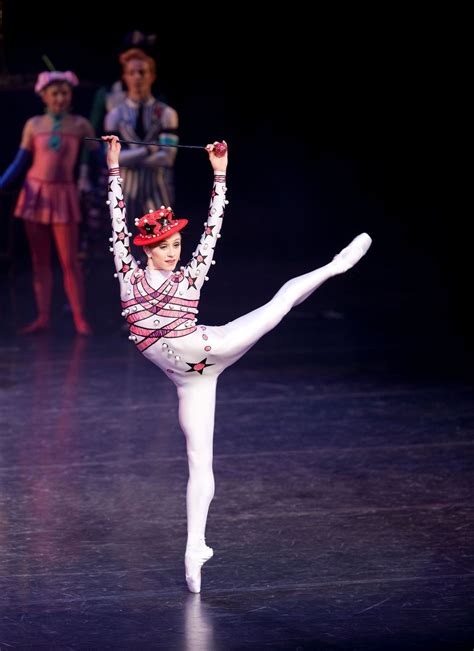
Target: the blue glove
(21, 163)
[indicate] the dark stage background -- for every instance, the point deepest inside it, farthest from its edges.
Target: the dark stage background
(338, 123)
(343, 441)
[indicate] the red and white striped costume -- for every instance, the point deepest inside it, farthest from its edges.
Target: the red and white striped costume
(161, 308)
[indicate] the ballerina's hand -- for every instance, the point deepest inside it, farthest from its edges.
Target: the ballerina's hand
(218, 155)
(113, 150)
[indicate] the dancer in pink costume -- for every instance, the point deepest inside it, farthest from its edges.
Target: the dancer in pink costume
(48, 201)
(161, 307)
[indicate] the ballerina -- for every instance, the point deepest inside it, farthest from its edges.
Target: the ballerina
(160, 305)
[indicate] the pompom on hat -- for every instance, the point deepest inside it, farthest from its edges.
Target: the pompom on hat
(157, 225)
(50, 77)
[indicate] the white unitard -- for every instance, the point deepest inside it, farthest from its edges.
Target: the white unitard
(161, 308)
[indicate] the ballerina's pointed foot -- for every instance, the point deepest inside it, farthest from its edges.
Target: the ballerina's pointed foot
(352, 253)
(193, 562)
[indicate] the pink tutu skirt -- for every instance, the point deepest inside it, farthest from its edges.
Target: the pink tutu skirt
(46, 202)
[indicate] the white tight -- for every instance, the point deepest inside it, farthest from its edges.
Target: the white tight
(197, 396)
(196, 416)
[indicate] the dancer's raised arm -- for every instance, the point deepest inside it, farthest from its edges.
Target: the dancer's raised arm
(198, 268)
(125, 263)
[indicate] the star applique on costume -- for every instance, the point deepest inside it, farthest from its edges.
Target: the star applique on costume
(191, 281)
(120, 204)
(200, 259)
(198, 367)
(125, 267)
(121, 235)
(208, 230)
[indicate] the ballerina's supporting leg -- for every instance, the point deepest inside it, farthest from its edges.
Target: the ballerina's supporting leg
(244, 332)
(197, 397)
(197, 400)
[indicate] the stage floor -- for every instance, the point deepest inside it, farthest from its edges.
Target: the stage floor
(344, 492)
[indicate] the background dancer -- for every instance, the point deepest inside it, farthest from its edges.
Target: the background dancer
(49, 200)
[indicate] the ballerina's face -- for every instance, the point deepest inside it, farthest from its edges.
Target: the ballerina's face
(57, 97)
(164, 255)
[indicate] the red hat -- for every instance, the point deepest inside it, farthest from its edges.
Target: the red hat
(157, 225)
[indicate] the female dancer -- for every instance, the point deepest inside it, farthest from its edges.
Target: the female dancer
(49, 201)
(161, 307)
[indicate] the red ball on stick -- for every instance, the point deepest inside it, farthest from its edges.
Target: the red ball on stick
(220, 149)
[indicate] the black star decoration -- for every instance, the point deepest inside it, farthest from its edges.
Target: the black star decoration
(198, 367)
(149, 229)
(120, 205)
(201, 259)
(191, 281)
(164, 221)
(125, 267)
(120, 235)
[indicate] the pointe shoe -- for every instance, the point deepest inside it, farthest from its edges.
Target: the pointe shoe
(193, 561)
(38, 325)
(352, 253)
